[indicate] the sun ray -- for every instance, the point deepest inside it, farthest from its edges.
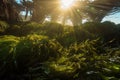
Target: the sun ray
(66, 4)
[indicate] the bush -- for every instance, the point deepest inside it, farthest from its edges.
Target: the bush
(92, 27)
(3, 27)
(53, 29)
(89, 60)
(18, 55)
(106, 30)
(14, 30)
(67, 38)
(71, 36)
(24, 29)
(83, 35)
(7, 45)
(36, 49)
(82, 56)
(42, 58)
(7, 55)
(31, 28)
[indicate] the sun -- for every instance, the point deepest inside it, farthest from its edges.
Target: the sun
(66, 4)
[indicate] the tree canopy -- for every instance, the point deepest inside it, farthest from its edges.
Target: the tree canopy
(91, 10)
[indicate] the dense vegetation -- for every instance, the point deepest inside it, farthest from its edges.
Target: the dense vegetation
(38, 50)
(51, 51)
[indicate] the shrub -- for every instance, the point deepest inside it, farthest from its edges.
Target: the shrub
(71, 36)
(34, 50)
(7, 55)
(42, 58)
(7, 45)
(30, 28)
(106, 30)
(82, 57)
(14, 30)
(89, 60)
(53, 29)
(92, 27)
(118, 27)
(3, 27)
(19, 55)
(83, 35)
(24, 29)
(67, 38)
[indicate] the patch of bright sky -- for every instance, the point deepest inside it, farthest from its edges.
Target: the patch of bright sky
(23, 13)
(18, 1)
(113, 18)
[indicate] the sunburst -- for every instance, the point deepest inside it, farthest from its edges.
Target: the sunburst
(66, 4)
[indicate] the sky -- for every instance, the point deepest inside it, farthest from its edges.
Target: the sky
(113, 18)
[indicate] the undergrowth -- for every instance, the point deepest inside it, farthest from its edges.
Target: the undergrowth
(51, 51)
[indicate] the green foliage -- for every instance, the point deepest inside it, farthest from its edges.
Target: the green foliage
(83, 35)
(71, 36)
(24, 29)
(106, 30)
(109, 30)
(92, 27)
(7, 46)
(89, 60)
(118, 27)
(31, 27)
(38, 47)
(90, 30)
(65, 39)
(7, 54)
(55, 52)
(14, 30)
(53, 29)
(20, 54)
(3, 26)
